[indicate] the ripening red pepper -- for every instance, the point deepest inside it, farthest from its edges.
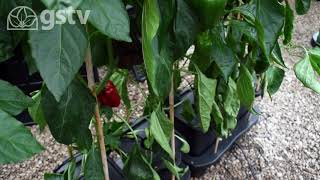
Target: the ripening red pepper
(109, 96)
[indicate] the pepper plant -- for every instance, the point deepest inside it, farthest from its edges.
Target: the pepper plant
(236, 43)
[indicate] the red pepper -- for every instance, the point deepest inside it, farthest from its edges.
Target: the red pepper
(109, 96)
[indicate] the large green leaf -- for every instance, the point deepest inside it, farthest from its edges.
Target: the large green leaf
(302, 6)
(59, 53)
(277, 56)
(231, 105)
(16, 141)
(93, 166)
(305, 73)
(275, 77)
(270, 15)
(120, 79)
(206, 90)
(61, 4)
(160, 128)
(12, 99)
(109, 17)
(185, 27)
(69, 119)
(245, 88)
(289, 23)
(137, 167)
(36, 111)
(157, 59)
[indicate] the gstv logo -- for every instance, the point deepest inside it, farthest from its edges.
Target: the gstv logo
(22, 18)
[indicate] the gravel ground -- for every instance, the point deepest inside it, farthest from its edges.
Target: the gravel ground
(284, 145)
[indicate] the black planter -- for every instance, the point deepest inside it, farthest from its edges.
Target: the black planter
(15, 71)
(314, 40)
(127, 144)
(115, 173)
(202, 145)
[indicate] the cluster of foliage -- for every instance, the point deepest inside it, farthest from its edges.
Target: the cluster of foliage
(236, 44)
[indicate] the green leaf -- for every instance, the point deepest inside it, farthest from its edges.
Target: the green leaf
(231, 105)
(275, 77)
(185, 27)
(160, 129)
(185, 148)
(120, 79)
(206, 90)
(93, 166)
(175, 170)
(288, 24)
(6, 46)
(305, 73)
(12, 99)
(137, 167)
(314, 55)
(277, 56)
(61, 4)
(109, 17)
(48, 176)
(157, 60)
(245, 88)
(271, 15)
(36, 112)
(59, 53)
(218, 120)
(211, 47)
(75, 110)
(302, 6)
(188, 112)
(16, 141)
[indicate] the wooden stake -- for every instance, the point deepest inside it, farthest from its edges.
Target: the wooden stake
(171, 106)
(99, 127)
(217, 145)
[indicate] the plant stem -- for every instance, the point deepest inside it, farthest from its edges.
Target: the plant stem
(171, 106)
(99, 127)
(70, 151)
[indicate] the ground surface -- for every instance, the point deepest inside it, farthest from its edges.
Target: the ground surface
(284, 145)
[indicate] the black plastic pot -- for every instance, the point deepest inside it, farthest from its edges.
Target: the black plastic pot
(199, 142)
(315, 40)
(115, 173)
(202, 145)
(164, 173)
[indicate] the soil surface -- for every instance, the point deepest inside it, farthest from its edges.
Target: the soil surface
(285, 144)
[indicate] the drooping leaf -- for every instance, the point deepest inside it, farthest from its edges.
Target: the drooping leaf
(277, 55)
(12, 99)
(206, 90)
(16, 141)
(137, 167)
(245, 88)
(75, 110)
(289, 24)
(275, 77)
(185, 27)
(231, 105)
(175, 170)
(36, 112)
(270, 14)
(93, 166)
(218, 120)
(61, 4)
(48, 176)
(109, 17)
(185, 148)
(305, 73)
(160, 129)
(120, 79)
(156, 54)
(302, 6)
(314, 55)
(59, 53)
